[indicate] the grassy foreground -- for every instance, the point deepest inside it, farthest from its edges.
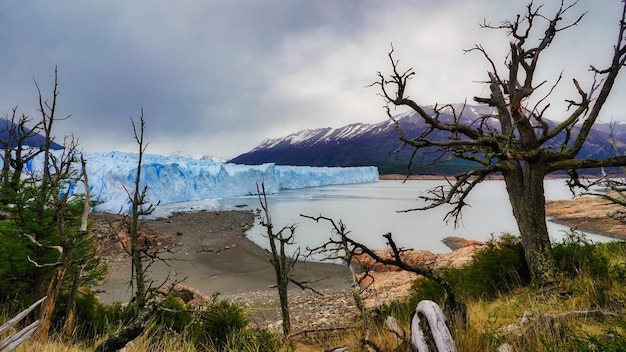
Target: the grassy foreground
(584, 312)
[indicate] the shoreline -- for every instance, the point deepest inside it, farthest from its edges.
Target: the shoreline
(395, 177)
(588, 213)
(209, 250)
(214, 255)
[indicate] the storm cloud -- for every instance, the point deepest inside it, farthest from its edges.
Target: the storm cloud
(218, 77)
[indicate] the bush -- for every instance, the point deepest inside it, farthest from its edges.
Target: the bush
(576, 254)
(174, 315)
(217, 323)
(497, 269)
(210, 327)
(93, 319)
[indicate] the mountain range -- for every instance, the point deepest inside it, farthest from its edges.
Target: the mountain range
(378, 145)
(11, 134)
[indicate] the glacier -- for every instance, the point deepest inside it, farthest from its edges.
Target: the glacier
(171, 180)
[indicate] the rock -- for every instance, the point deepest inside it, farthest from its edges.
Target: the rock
(458, 258)
(363, 262)
(384, 283)
(187, 294)
(587, 213)
(420, 258)
(455, 243)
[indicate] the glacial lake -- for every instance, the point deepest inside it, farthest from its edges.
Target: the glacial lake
(371, 210)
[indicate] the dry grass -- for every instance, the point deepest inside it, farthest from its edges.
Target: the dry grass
(487, 328)
(52, 346)
(552, 326)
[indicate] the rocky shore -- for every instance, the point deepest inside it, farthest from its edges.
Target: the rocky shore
(210, 252)
(588, 213)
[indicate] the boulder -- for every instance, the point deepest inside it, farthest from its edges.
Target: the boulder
(455, 243)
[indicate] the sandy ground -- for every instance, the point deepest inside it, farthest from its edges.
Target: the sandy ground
(214, 255)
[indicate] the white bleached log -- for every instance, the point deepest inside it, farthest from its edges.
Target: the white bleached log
(11, 342)
(437, 324)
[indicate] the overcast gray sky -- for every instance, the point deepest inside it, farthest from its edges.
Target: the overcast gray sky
(219, 76)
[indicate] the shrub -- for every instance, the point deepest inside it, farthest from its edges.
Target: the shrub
(173, 314)
(93, 318)
(217, 323)
(497, 269)
(576, 254)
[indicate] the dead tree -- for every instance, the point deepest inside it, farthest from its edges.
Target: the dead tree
(148, 300)
(43, 213)
(339, 248)
(341, 242)
(48, 111)
(138, 200)
(523, 147)
(282, 262)
(59, 179)
(68, 326)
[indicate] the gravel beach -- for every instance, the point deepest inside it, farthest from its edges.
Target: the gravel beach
(210, 251)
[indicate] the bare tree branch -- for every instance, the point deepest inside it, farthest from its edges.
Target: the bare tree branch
(341, 242)
(522, 146)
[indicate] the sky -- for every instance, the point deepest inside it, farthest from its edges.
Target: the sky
(217, 77)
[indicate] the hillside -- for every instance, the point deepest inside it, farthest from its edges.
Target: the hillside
(378, 145)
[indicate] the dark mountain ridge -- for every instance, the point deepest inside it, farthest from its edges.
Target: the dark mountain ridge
(378, 145)
(11, 134)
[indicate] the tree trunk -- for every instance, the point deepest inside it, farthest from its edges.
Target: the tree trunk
(57, 279)
(68, 326)
(137, 264)
(284, 303)
(524, 184)
(50, 303)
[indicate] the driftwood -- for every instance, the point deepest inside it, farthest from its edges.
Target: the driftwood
(436, 325)
(429, 332)
(11, 342)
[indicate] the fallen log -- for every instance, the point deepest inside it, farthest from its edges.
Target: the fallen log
(434, 330)
(14, 340)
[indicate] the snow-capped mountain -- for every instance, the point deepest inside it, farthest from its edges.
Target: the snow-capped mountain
(378, 144)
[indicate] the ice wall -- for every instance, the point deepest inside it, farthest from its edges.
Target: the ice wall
(174, 179)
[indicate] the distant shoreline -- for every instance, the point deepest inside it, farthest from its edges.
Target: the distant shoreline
(427, 177)
(443, 177)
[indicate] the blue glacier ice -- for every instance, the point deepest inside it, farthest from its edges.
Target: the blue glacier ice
(176, 179)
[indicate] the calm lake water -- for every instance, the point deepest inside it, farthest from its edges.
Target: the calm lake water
(371, 210)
